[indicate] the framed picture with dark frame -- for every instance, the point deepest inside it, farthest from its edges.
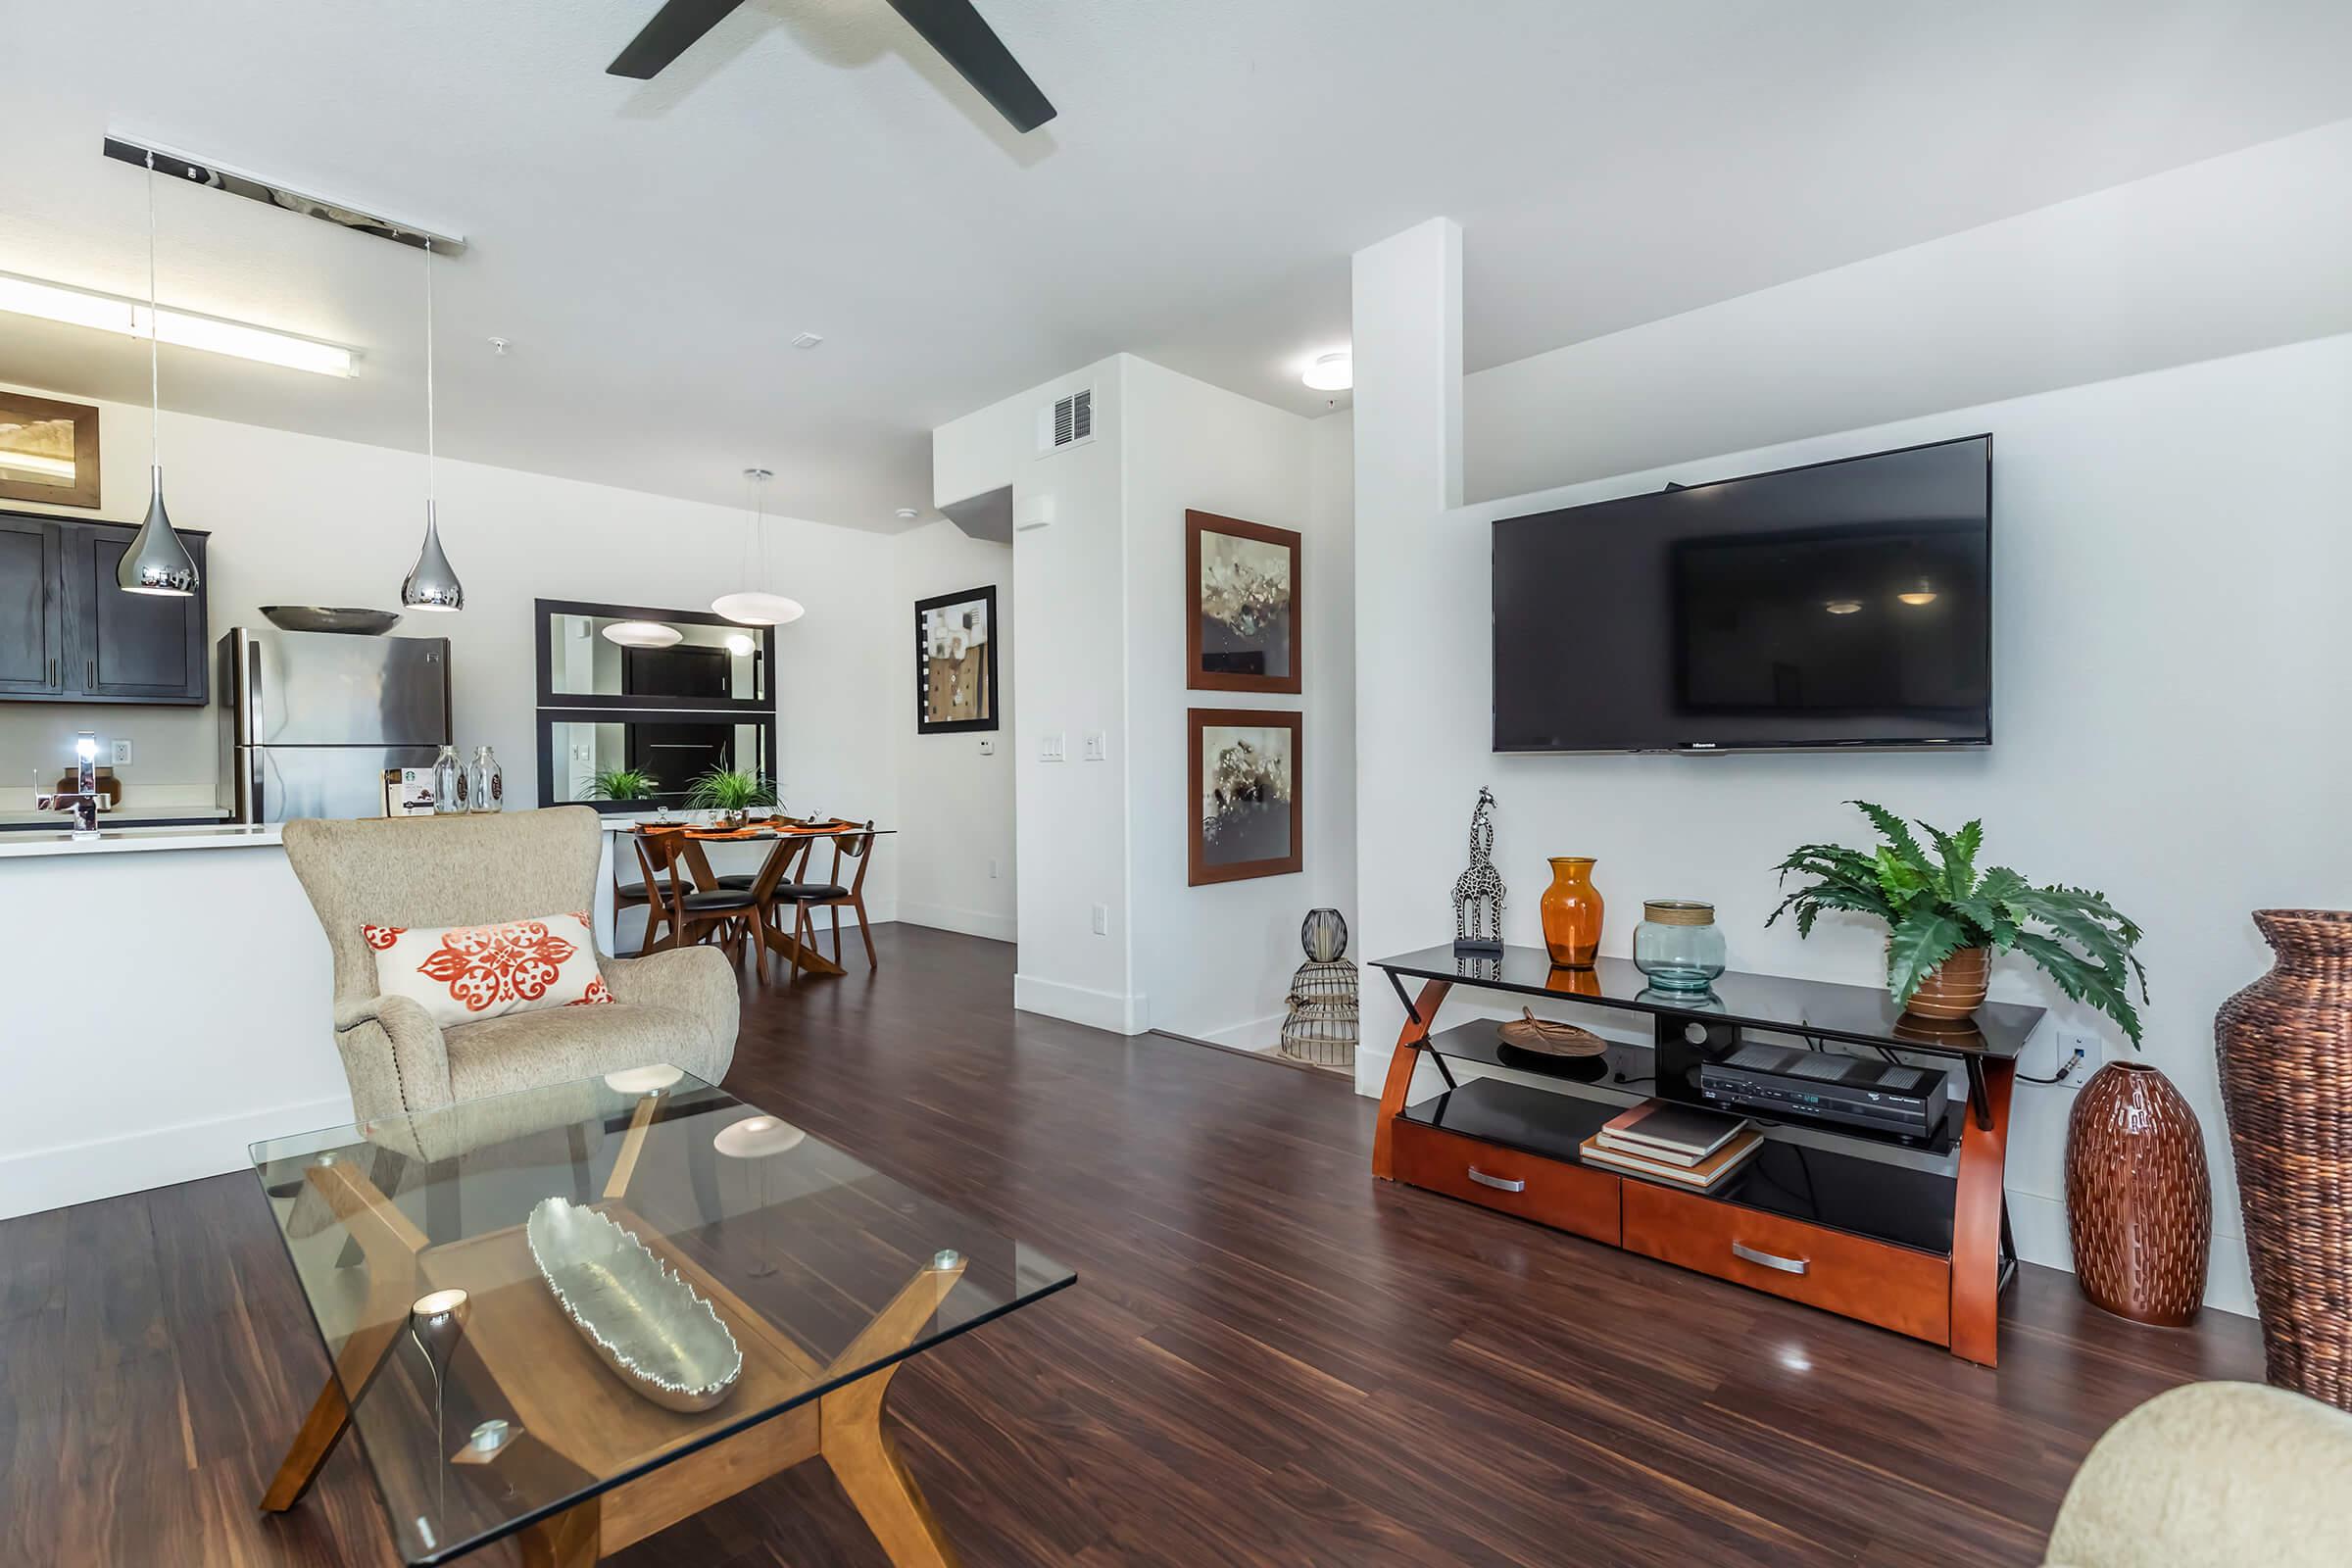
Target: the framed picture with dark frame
(956, 661)
(48, 450)
(1241, 606)
(1243, 788)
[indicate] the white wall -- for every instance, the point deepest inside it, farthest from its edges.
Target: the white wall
(1068, 611)
(956, 845)
(303, 519)
(2169, 666)
(2243, 252)
(1216, 961)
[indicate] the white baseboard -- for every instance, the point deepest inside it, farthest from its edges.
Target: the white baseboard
(149, 1158)
(1098, 1009)
(948, 918)
(1263, 1035)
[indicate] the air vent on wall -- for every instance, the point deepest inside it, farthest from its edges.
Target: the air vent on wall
(1069, 422)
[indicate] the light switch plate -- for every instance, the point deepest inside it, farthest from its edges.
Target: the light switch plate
(1049, 748)
(1098, 746)
(1102, 919)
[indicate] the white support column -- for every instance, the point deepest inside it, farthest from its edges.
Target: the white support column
(1407, 344)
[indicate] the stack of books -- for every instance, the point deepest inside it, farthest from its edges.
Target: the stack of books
(1678, 1144)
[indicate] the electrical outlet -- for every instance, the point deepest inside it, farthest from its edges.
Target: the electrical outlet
(122, 754)
(988, 748)
(2095, 1053)
(1102, 919)
(995, 869)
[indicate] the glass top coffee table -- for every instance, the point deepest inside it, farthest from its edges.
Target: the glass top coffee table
(486, 1408)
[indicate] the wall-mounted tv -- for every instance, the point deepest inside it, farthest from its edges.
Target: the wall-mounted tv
(1841, 603)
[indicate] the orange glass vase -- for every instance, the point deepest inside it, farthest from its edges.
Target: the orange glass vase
(1572, 912)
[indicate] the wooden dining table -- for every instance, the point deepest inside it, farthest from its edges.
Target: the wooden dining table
(784, 840)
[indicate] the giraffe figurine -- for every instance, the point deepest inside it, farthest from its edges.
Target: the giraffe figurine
(1478, 893)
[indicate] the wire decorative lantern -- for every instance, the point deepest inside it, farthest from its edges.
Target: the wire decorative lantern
(1321, 1024)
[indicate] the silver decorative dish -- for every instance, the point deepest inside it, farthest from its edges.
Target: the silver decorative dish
(648, 1324)
(327, 617)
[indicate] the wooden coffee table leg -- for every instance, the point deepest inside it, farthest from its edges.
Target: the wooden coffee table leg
(390, 1243)
(572, 1538)
(862, 1456)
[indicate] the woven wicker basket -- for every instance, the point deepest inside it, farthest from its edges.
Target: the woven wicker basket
(2285, 1047)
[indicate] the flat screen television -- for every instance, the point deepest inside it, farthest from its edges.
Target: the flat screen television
(1840, 603)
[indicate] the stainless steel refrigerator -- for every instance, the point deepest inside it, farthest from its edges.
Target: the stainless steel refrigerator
(311, 721)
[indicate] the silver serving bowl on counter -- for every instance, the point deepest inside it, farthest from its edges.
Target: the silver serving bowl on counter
(327, 617)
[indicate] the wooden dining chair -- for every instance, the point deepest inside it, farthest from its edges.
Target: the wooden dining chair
(807, 898)
(650, 889)
(698, 908)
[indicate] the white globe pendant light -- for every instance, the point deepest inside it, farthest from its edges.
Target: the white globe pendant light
(754, 606)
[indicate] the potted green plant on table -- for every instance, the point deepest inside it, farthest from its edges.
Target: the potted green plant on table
(621, 784)
(2139, 1201)
(730, 792)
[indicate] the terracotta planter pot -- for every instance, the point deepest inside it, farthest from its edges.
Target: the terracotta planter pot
(2138, 1198)
(2285, 1048)
(1955, 988)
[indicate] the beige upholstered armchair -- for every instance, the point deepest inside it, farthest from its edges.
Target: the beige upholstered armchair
(2214, 1475)
(677, 1006)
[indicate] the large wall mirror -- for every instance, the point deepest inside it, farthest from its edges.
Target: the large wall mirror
(637, 703)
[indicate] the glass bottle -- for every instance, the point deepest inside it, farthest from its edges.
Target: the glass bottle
(449, 782)
(486, 783)
(1572, 913)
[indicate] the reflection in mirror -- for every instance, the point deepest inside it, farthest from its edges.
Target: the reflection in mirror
(649, 759)
(629, 657)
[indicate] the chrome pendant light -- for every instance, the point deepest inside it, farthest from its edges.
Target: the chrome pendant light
(754, 606)
(432, 583)
(158, 561)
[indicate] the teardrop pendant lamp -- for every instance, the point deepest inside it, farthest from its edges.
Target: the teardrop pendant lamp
(754, 606)
(432, 583)
(157, 561)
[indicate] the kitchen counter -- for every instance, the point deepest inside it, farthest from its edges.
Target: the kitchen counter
(132, 840)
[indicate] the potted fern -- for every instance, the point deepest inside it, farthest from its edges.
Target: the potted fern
(621, 784)
(729, 792)
(2138, 1198)
(1945, 921)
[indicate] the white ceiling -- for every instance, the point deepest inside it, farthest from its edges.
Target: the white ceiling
(651, 248)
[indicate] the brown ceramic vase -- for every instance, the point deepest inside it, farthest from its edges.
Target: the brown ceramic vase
(2138, 1198)
(2285, 1048)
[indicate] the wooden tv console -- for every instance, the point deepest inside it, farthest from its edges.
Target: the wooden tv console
(1912, 1235)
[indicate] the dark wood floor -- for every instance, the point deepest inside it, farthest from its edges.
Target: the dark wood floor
(1269, 1357)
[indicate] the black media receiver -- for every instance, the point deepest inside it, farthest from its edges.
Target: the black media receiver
(1889, 1096)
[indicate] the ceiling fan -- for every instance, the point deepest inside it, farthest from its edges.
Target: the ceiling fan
(951, 27)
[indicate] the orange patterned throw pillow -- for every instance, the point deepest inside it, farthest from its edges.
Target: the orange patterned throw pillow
(472, 972)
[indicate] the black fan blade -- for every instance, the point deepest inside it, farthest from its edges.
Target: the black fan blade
(673, 31)
(979, 56)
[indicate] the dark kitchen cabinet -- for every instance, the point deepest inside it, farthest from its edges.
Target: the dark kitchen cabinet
(32, 641)
(68, 634)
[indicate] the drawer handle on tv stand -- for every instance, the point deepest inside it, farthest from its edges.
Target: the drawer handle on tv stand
(1787, 1265)
(1501, 1184)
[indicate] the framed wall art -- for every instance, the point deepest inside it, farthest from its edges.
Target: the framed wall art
(956, 662)
(1245, 817)
(48, 450)
(1241, 611)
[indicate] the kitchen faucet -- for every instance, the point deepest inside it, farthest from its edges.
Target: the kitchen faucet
(83, 797)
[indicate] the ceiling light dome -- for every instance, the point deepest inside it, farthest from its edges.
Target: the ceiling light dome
(1332, 372)
(758, 609)
(755, 607)
(643, 634)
